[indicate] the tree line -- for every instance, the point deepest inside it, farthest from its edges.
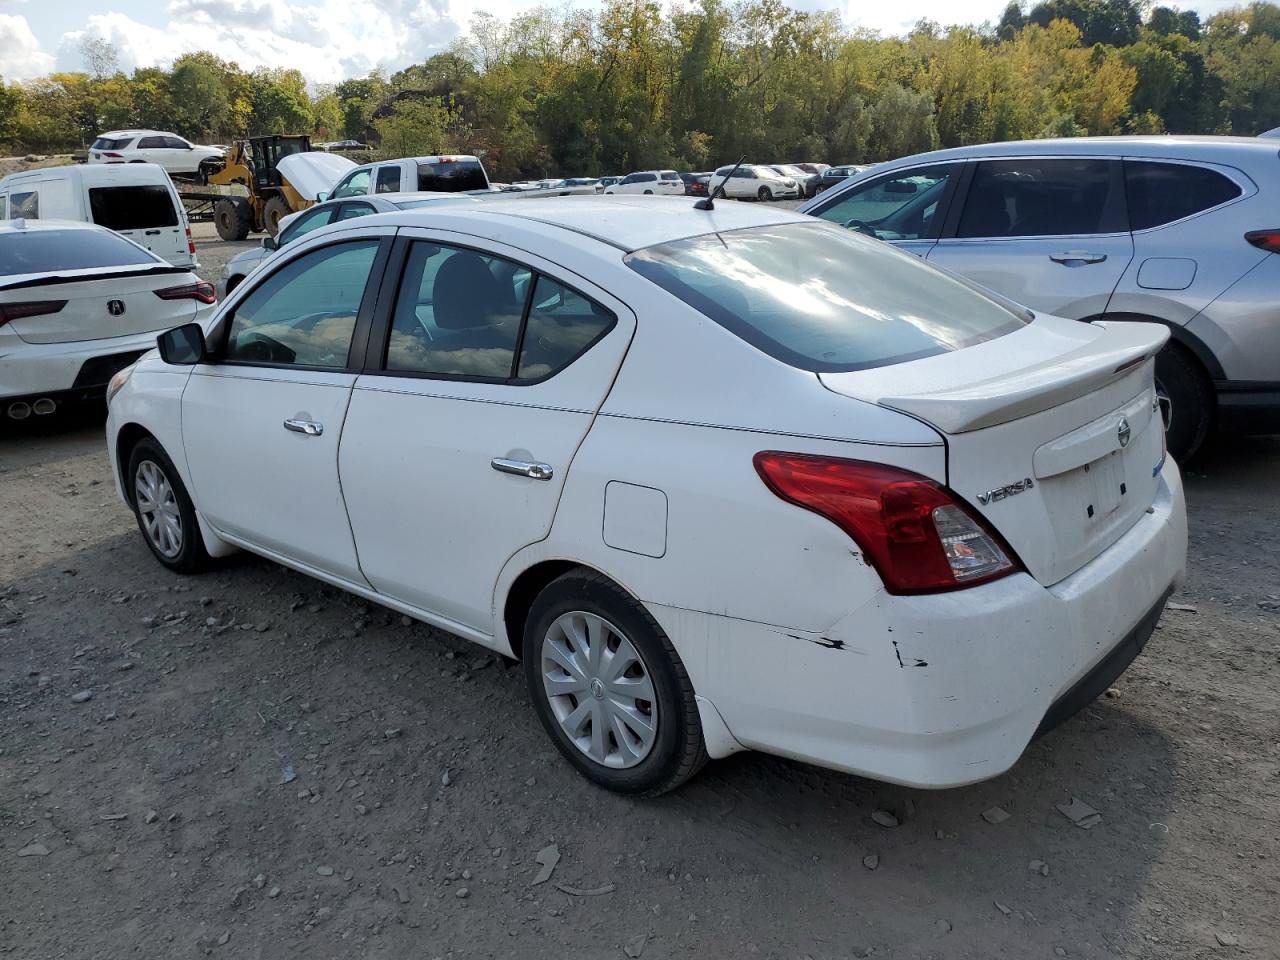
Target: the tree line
(632, 86)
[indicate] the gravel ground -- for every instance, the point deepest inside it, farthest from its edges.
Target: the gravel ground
(250, 764)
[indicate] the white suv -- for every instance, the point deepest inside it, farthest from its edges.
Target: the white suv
(169, 150)
(658, 182)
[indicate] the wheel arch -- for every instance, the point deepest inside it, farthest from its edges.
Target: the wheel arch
(127, 437)
(518, 597)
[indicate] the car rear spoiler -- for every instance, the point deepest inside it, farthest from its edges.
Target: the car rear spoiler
(27, 280)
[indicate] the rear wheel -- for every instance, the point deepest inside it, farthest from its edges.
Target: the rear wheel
(610, 688)
(764, 194)
(1186, 398)
(275, 211)
(233, 217)
(166, 515)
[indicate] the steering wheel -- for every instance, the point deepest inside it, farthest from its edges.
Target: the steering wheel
(862, 227)
(258, 347)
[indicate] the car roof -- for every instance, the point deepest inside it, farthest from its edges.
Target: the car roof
(1206, 148)
(135, 133)
(627, 223)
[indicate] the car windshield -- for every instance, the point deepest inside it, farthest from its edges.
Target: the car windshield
(823, 299)
(49, 251)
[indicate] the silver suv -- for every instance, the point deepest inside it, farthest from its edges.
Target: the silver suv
(1182, 231)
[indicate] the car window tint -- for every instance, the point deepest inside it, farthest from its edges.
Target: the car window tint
(1041, 198)
(4, 207)
(24, 206)
(1163, 192)
(306, 222)
(351, 210)
(562, 324)
(151, 143)
(173, 143)
(45, 251)
(452, 176)
(897, 207)
(356, 185)
(388, 180)
(457, 314)
(133, 208)
(824, 299)
(304, 313)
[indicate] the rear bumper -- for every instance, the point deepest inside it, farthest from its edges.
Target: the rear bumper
(84, 366)
(948, 689)
(1248, 406)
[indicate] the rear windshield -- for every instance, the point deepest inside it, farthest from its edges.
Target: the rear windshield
(452, 176)
(133, 208)
(50, 251)
(824, 299)
(106, 143)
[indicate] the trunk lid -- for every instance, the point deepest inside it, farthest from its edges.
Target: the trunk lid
(89, 313)
(1052, 432)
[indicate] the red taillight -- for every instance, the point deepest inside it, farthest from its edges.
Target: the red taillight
(117, 156)
(191, 243)
(916, 533)
(32, 308)
(1268, 240)
(201, 290)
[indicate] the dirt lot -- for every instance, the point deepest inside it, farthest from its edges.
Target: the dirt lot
(249, 764)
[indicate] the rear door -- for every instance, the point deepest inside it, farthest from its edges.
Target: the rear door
(906, 207)
(146, 213)
(1050, 233)
(489, 371)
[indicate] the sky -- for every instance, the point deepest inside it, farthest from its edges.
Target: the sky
(332, 40)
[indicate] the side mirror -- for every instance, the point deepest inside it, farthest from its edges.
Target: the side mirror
(270, 243)
(322, 196)
(182, 346)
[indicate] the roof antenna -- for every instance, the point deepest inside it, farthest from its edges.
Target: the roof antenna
(710, 202)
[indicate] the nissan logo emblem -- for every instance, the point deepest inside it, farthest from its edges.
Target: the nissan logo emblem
(1123, 431)
(115, 307)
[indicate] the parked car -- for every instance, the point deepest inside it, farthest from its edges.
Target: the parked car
(136, 200)
(609, 181)
(79, 302)
(808, 181)
(592, 182)
(176, 154)
(753, 182)
(834, 176)
(1180, 231)
(659, 182)
(818, 168)
(299, 224)
(827, 540)
(697, 186)
(437, 174)
(340, 146)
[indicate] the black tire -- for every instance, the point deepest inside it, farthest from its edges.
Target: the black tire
(233, 217)
(1191, 407)
(648, 193)
(678, 750)
(275, 211)
(764, 194)
(191, 557)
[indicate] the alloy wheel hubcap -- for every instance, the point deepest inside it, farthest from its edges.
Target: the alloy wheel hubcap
(158, 508)
(599, 690)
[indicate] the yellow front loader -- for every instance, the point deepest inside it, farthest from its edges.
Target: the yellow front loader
(253, 162)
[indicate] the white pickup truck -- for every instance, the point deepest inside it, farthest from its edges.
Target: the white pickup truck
(456, 173)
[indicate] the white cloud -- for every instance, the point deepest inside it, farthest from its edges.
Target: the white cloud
(20, 55)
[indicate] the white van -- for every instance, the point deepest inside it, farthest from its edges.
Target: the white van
(136, 200)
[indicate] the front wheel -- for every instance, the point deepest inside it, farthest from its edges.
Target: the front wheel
(610, 688)
(1187, 401)
(764, 194)
(166, 515)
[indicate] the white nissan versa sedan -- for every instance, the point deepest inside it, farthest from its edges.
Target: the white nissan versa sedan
(723, 479)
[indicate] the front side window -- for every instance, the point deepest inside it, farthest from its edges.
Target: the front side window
(313, 219)
(356, 185)
(388, 180)
(457, 314)
(133, 208)
(901, 206)
(48, 251)
(1042, 198)
(24, 206)
(562, 325)
(304, 314)
(176, 143)
(822, 299)
(1161, 193)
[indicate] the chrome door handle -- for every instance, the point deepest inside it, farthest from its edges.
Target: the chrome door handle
(1077, 256)
(310, 427)
(523, 468)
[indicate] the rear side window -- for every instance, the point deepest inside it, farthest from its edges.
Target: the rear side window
(48, 251)
(457, 314)
(388, 180)
(24, 206)
(304, 314)
(1042, 198)
(823, 299)
(1161, 193)
(452, 176)
(562, 325)
(151, 143)
(133, 208)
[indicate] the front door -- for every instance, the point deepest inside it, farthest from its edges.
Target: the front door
(456, 448)
(261, 423)
(1048, 233)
